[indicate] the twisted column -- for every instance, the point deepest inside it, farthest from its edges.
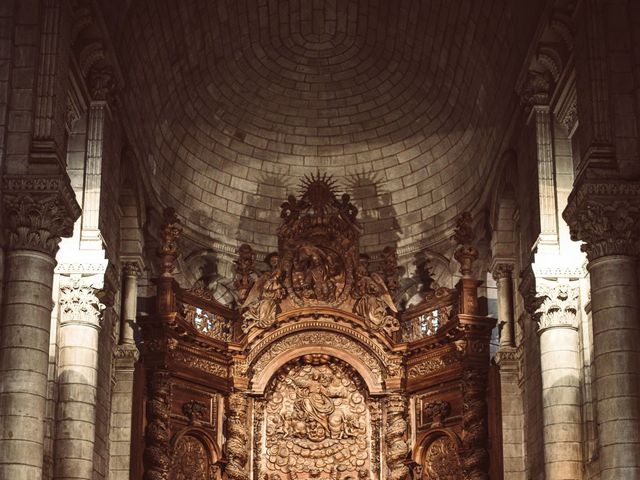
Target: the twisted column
(396, 432)
(475, 462)
(157, 433)
(38, 211)
(238, 437)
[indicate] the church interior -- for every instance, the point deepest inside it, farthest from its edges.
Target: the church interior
(319, 239)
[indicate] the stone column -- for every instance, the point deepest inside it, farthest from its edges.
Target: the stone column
(126, 356)
(80, 318)
(38, 211)
(502, 275)
(560, 369)
(606, 216)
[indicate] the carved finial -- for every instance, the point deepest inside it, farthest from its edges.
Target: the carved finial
(464, 236)
(390, 270)
(168, 251)
(245, 271)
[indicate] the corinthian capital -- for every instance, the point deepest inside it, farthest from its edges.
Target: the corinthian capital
(502, 270)
(38, 211)
(559, 305)
(79, 302)
(606, 217)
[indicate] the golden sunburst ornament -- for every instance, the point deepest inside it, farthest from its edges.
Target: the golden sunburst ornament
(318, 189)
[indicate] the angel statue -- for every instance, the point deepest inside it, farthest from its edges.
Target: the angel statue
(373, 299)
(261, 305)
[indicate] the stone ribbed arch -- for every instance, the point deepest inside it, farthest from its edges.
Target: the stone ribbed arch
(318, 336)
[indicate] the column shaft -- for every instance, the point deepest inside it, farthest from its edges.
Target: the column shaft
(616, 344)
(24, 359)
(77, 379)
(561, 403)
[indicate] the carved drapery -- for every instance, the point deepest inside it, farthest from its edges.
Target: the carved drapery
(238, 437)
(244, 271)
(395, 437)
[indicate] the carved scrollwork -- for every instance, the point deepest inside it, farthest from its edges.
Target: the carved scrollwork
(318, 338)
(205, 322)
(430, 365)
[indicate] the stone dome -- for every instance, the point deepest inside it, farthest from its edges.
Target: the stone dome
(404, 103)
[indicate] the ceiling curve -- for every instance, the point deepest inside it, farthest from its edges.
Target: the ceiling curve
(404, 102)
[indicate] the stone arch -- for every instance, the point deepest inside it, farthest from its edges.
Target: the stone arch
(343, 345)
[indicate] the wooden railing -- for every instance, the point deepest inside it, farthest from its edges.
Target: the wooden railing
(208, 317)
(429, 316)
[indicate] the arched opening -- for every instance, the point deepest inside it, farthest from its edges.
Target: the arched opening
(316, 420)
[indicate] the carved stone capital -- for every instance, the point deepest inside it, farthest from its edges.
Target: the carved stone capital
(79, 302)
(131, 269)
(38, 211)
(126, 353)
(536, 90)
(502, 270)
(606, 217)
(102, 83)
(559, 305)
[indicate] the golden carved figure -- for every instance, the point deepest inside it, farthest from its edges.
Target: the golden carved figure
(373, 299)
(261, 305)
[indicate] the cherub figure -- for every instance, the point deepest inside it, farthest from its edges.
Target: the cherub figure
(261, 305)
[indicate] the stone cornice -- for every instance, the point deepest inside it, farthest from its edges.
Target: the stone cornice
(605, 215)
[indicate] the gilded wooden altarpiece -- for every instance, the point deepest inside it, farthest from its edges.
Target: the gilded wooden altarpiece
(314, 374)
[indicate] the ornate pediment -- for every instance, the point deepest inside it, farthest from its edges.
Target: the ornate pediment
(318, 263)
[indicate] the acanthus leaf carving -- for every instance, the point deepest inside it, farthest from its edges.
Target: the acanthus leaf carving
(559, 304)
(39, 211)
(79, 301)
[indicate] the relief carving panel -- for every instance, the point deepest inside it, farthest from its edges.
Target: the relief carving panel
(316, 422)
(190, 460)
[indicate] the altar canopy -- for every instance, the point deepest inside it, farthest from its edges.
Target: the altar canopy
(314, 372)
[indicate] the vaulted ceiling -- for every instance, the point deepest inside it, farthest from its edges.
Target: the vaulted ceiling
(404, 102)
